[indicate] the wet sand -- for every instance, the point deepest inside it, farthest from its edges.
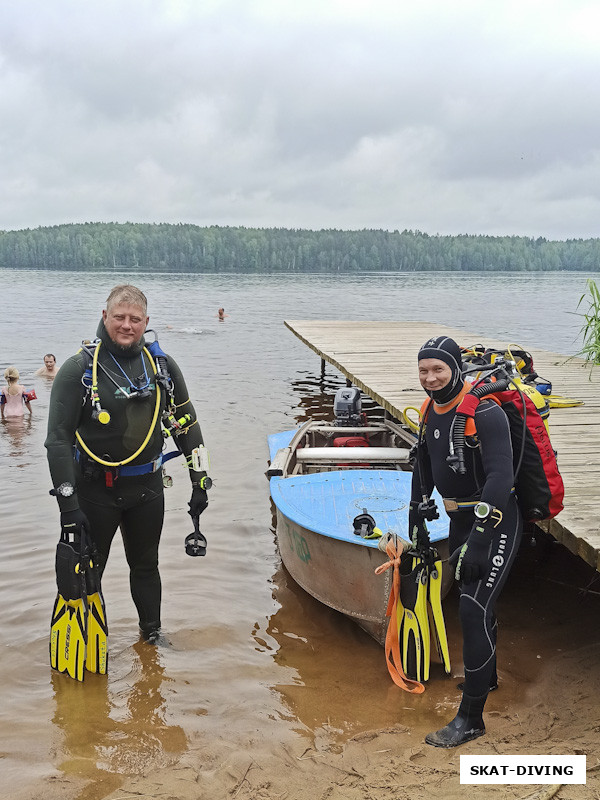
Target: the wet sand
(392, 763)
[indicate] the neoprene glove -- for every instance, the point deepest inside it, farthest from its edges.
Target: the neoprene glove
(72, 524)
(472, 559)
(198, 501)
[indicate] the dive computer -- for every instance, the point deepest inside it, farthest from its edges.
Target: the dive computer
(482, 510)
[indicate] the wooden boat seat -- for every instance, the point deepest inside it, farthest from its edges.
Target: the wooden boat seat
(370, 455)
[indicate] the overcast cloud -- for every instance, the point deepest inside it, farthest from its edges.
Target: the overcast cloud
(444, 116)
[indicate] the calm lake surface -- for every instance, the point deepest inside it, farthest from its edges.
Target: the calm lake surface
(252, 655)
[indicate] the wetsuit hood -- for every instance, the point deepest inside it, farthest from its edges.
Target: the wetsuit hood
(117, 349)
(446, 350)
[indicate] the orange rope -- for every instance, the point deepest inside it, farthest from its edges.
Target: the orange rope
(392, 644)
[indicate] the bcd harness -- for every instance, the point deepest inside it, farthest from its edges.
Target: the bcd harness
(172, 426)
(538, 484)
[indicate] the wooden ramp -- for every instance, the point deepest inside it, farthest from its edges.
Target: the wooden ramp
(381, 359)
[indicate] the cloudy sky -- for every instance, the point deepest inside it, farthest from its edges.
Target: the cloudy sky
(446, 116)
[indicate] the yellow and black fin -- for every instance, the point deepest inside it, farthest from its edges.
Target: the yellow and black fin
(68, 628)
(413, 622)
(97, 626)
(438, 626)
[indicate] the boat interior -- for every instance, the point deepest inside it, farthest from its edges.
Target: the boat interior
(322, 447)
(351, 441)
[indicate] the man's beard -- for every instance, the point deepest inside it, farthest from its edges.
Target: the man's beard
(127, 350)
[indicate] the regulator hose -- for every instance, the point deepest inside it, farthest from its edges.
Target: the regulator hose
(456, 459)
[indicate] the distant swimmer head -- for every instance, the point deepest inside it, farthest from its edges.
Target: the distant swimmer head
(11, 374)
(440, 368)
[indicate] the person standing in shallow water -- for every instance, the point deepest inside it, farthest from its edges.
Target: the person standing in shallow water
(484, 537)
(123, 426)
(14, 396)
(50, 368)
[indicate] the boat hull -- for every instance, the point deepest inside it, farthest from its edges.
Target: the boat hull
(320, 551)
(340, 576)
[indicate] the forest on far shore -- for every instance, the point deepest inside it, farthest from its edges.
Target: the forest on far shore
(190, 248)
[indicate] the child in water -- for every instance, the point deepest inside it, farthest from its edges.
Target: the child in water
(13, 396)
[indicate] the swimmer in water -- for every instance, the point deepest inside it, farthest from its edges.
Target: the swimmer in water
(50, 367)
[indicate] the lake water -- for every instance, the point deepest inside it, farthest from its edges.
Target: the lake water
(252, 655)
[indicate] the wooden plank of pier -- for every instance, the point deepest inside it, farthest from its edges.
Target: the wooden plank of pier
(380, 358)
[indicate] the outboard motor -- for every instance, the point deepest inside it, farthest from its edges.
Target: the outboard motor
(347, 407)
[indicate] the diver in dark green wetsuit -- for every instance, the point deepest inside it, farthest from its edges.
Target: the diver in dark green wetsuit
(105, 441)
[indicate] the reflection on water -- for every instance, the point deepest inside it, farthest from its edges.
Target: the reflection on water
(14, 433)
(315, 394)
(113, 728)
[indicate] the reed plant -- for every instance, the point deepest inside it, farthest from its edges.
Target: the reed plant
(590, 330)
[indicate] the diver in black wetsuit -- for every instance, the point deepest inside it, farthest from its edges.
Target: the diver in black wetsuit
(485, 522)
(105, 460)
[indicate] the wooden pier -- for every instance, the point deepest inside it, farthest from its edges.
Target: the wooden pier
(381, 359)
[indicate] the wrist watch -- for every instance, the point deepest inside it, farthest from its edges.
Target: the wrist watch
(65, 489)
(204, 483)
(482, 510)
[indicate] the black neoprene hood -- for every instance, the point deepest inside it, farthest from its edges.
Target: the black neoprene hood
(445, 349)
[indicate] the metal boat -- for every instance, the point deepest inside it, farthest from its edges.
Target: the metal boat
(322, 477)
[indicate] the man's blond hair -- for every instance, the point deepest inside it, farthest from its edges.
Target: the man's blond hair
(126, 293)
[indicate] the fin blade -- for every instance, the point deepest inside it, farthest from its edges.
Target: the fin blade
(96, 655)
(58, 612)
(438, 625)
(68, 636)
(414, 624)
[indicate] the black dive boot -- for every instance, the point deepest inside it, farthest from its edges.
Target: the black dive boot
(466, 725)
(151, 632)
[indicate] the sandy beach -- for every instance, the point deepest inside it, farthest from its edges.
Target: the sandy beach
(388, 764)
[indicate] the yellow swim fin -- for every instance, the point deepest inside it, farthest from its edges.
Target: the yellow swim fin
(413, 622)
(419, 614)
(97, 627)
(558, 401)
(68, 628)
(436, 615)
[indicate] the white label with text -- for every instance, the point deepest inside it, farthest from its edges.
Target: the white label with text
(522, 769)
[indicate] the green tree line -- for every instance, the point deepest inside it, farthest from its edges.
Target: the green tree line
(191, 248)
